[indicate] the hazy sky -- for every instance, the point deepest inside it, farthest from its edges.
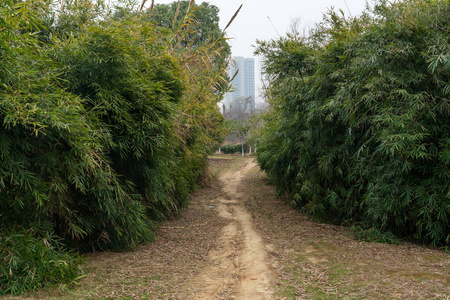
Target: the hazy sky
(265, 20)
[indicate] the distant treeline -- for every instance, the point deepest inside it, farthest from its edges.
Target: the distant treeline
(359, 127)
(231, 148)
(106, 121)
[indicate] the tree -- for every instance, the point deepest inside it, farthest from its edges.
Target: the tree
(237, 115)
(201, 29)
(205, 27)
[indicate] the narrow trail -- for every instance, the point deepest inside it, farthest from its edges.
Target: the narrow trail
(239, 267)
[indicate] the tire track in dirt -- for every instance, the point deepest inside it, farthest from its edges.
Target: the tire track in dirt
(239, 268)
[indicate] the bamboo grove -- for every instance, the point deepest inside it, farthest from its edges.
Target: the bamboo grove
(359, 130)
(106, 121)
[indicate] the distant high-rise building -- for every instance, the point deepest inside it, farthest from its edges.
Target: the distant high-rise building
(243, 84)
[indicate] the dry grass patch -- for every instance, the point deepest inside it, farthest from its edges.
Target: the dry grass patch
(310, 260)
(159, 269)
(323, 261)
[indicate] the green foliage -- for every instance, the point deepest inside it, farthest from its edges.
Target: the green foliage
(374, 235)
(203, 21)
(55, 170)
(231, 149)
(194, 26)
(132, 87)
(104, 130)
(28, 262)
(360, 117)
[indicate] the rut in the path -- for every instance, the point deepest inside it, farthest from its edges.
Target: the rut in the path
(239, 269)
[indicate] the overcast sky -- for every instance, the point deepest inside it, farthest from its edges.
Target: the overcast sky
(266, 19)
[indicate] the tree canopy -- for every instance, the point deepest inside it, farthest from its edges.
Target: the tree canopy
(202, 26)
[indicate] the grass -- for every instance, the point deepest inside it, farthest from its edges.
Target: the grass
(325, 261)
(314, 292)
(289, 291)
(221, 156)
(310, 260)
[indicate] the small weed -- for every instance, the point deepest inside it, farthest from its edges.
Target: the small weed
(289, 291)
(337, 272)
(317, 293)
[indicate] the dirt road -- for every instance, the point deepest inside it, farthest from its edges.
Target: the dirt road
(238, 241)
(239, 267)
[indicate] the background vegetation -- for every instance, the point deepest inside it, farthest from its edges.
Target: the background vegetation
(231, 148)
(106, 120)
(359, 127)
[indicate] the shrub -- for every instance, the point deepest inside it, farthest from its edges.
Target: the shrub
(359, 122)
(231, 149)
(105, 126)
(29, 261)
(374, 235)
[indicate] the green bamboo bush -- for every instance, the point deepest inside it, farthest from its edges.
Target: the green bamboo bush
(46, 143)
(200, 127)
(105, 126)
(359, 127)
(28, 262)
(133, 90)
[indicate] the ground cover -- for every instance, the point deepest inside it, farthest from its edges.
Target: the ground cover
(236, 240)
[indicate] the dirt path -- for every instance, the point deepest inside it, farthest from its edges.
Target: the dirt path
(238, 241)
(239, 267)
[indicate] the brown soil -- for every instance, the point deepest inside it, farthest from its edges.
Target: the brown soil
(238, 266)
(238, 241)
